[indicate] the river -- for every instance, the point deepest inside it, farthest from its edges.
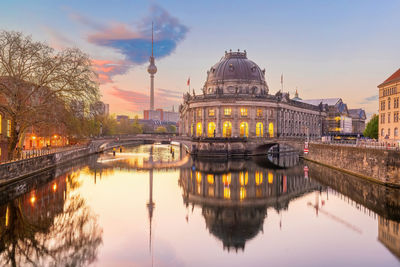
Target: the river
(152, 205)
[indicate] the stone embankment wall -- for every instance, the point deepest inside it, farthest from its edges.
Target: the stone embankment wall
(16, 170)
(380, 166)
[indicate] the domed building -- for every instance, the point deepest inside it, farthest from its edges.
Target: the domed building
(235, 103)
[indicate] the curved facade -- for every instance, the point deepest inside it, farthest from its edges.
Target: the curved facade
(236, 103)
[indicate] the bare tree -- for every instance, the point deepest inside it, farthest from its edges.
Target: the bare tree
(34, 79)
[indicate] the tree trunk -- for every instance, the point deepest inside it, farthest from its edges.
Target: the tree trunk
(12, 142)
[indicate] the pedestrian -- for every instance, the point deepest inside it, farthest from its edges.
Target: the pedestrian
(114, 151)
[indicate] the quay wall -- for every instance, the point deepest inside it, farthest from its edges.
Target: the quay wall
(379, 166)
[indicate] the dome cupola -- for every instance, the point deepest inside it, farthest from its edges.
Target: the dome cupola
(235, 74)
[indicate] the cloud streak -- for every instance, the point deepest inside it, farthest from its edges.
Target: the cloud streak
(164, 98)
(369, 99)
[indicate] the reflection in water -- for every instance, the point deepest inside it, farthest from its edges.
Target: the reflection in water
(57, 218)
(234, 196)
(389, 235)
(50, 225)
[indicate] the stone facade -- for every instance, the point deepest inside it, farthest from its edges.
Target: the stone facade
(389, 108)
(235, 103)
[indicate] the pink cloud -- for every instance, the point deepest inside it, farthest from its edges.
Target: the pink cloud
(116, 31)
(106, 69)
(137, 101)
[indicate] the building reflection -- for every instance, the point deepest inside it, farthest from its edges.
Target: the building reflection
(235, 195)
(389, 235)
(48, 225)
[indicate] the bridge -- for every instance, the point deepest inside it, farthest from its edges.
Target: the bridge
(204, 147)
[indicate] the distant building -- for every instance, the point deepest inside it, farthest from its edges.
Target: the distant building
(78, 108)
(99, 108)
(122, 117)
(339, 120)
(389, 93)
(161, 115)
(358, 118)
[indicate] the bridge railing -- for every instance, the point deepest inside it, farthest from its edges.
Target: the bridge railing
(372, 144)
(32, 153)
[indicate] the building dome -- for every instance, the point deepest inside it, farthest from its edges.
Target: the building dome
(234, 73)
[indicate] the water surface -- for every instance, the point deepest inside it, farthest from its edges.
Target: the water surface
(147, 206)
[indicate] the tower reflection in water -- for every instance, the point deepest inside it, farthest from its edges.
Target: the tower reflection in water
(234, 196)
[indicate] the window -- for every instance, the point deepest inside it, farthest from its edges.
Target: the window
(8, 128)
(382, 132)
(383, 118)
(259, 112)
(259, 129)
(396, 132)
(243, 112)
(271, 129)
(382, 105)
(244, 129)
(211, 112)
(227, 111)
(388, 117)
(389, 103)
(396, 116)
(227, 129)
(388, 132)
(211, 129)
(199, 129)
(199, 112)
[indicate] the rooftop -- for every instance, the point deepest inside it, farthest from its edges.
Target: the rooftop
(394, 77)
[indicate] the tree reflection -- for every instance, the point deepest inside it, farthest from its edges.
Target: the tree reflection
(50, 227)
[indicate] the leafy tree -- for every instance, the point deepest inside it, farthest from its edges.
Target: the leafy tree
(161, 129)
(37, 84)
(371, 130)
(137, 128)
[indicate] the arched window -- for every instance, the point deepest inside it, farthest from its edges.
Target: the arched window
(227, 129)
(211, 129)
(383, 132)
(244, 129)
(259, 129)
(199, 129)
(271, 129)
(396, 131)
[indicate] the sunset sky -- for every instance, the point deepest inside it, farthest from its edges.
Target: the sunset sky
(324, 48)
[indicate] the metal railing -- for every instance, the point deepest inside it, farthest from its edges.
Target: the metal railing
(32, 153)
(372, 144)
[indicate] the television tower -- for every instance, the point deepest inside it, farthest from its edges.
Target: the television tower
(152, 69)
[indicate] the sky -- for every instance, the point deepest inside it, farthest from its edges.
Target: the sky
(323, 48)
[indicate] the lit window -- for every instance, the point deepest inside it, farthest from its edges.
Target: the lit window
(227, 111)
(210, 178)
(198, 177)
(242, 193)
(259, 129)
(199, 113)
(259, 178)
(211, 129)
(199, 129)
(226, 179)
(243, 112)
(227, 193)
(259, 112)
(270, 177)
(211, 112)
(243, 178)
(8, 128)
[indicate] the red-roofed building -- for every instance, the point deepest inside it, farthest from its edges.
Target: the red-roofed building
(389, 108)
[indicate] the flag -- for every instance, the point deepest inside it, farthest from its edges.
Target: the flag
(188, 81)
